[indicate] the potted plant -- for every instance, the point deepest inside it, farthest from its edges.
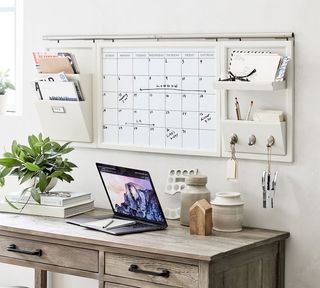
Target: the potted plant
(5, 84)
(42, 162)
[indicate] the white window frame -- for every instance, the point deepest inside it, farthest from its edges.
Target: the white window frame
(16, 109)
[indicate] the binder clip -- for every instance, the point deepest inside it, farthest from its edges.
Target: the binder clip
(268, 185)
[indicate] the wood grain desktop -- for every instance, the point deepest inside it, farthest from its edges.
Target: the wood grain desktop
(168, 258)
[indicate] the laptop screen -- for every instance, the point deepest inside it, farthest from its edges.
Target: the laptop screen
(131, 193)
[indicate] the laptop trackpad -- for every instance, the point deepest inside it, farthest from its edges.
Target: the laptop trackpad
(79, 220)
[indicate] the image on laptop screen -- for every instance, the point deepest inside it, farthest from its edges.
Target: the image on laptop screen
(131, 193)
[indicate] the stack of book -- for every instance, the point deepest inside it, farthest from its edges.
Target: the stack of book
(54, 204)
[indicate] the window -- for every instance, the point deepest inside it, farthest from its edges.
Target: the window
(8, 42)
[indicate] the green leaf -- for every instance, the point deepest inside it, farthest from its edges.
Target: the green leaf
(24, 191)
(28, 175)
(66, 177)
(56, 174)
(27, 150)
(2, 181)
(8, 155)
(72, 165)
(32, 140)
(14, 147)
(35, 195)
(15, 171)
(65, 145)
(31, 166)
(11, 204)
(10, 162)
(67, 150)
(43, 182)
(5, 171)
(21, 155)
(39, 159)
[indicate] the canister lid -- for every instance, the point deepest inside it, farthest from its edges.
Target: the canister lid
(227, 199)
(199, 180)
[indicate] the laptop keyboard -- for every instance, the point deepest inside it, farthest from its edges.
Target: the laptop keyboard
(139, 225)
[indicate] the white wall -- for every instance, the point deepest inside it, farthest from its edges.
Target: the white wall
(298, 194)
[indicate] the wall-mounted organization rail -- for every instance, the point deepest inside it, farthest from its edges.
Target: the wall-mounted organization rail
(161, 94)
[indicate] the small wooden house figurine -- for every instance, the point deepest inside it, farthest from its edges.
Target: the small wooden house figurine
(201, 218)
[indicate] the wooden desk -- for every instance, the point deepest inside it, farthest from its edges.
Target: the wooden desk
(251, 258)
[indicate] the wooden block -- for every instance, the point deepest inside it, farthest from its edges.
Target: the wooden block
(201, 218)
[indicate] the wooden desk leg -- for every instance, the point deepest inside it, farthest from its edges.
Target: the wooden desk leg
(281, 264)
(40, 278)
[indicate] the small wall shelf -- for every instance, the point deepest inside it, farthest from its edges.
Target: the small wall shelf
(271, 95)
(68, 120)
(254, 86)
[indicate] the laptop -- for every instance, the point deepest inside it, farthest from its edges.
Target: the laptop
(132, 197)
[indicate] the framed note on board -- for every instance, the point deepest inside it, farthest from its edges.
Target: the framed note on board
(159, 97)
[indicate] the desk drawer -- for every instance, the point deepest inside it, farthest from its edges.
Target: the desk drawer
(152, 270)
(115, 285)
(47, 253)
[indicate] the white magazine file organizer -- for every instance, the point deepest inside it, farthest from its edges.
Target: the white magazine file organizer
(68, 120)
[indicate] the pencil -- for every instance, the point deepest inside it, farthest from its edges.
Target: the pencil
(108, 224)
(249, 111)
(238, 109)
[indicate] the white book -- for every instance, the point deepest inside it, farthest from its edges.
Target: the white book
(51, 211)
(54, 198)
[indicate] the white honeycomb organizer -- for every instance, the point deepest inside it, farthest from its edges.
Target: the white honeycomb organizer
(176, 182)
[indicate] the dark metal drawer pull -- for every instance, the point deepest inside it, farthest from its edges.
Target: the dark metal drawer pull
(13, 248)
(135, 269)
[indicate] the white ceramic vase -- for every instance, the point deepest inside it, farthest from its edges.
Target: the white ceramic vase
(3, 103)
(227, 212)
(195, 190)
(32, 181)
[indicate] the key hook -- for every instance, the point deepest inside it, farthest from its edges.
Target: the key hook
(270, 141)
(252, 140)
(234, 139)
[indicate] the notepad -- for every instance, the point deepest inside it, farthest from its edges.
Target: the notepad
(103, 225)
(266, 64)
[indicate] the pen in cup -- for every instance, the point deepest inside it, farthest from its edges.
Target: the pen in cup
(249, 111)
(237, 109)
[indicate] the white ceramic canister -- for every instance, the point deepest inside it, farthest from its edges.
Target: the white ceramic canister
(227, 212)
(195, 190)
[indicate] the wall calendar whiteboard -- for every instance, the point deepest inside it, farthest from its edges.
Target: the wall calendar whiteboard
(160, 98)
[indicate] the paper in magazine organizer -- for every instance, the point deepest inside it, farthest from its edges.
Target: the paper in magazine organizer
(55, 65)
(265, 63)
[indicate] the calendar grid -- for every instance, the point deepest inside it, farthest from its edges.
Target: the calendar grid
(160, 98)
